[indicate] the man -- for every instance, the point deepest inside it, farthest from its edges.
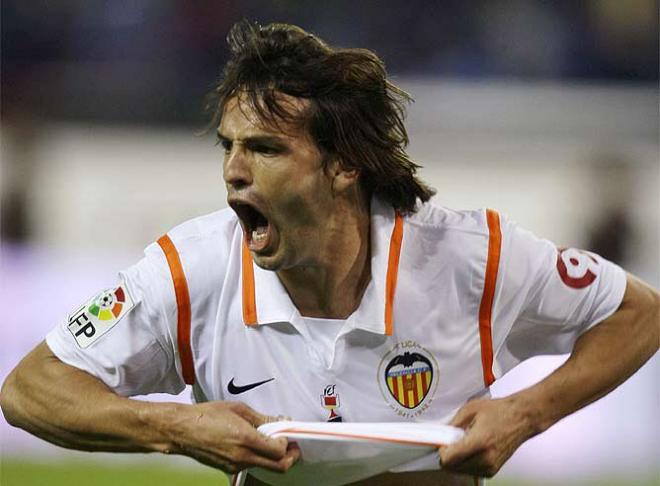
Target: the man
(331, 290)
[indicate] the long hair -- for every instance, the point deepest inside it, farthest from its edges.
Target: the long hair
(355, 114)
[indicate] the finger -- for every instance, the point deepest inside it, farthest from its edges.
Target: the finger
(464, 416)
(294, 451)
(476, 465)
(266, 446)
(251, 459)
(293, 454)
(241, 457)
(462, 419)
(252, 416)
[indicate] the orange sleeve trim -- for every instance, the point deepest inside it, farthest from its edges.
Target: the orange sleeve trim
(182, 306)
(486, 307)
(249, 299)
(392, 271)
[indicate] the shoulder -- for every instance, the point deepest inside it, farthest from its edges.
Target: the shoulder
(211, 233)
(438, 220)
(203, 245)
(454, 242)
(219, 225)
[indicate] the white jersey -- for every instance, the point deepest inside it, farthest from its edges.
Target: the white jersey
(456, 299)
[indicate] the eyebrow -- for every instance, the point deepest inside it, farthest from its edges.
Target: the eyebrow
(265, 139)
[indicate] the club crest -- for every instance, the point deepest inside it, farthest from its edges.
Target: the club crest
(407, 376)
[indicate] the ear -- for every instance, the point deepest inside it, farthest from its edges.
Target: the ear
(343, 179)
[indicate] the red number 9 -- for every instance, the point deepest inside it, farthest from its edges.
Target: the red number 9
(575, 268)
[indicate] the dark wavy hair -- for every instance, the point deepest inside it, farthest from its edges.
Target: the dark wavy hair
(354, 113)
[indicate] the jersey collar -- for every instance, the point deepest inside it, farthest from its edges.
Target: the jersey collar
(266, 301)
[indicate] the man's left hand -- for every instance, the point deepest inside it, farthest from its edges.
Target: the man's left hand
(494, 429)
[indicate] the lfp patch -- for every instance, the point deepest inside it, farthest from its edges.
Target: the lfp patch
(99, 315)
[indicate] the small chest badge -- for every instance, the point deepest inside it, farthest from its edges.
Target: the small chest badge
(330, 401)
(407, 376)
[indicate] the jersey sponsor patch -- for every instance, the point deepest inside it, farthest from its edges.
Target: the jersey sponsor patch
(408, 379)
(99, 315)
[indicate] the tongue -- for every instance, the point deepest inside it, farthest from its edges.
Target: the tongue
(259, 238)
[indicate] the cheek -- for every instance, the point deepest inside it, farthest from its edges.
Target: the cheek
(298, 209)
(302, 200)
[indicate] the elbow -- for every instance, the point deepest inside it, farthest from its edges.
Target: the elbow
(647, 306)
(655, 320)
(652, 311)
(8, 399)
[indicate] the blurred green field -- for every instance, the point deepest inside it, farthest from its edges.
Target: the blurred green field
(22, 473)
(15, 472)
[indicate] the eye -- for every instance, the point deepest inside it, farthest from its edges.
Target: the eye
(225, 144)
(266, 150)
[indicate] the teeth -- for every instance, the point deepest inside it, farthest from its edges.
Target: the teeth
(259, 234)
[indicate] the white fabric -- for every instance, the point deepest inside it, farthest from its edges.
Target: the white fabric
(322, 334)
(340, 453)
(435, 342)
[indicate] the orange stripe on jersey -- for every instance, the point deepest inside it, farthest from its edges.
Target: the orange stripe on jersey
(392, 271)
(249, 299)
(373, 438)
(182, 307)
(486, 307)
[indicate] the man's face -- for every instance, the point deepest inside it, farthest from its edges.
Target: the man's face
(276, 185)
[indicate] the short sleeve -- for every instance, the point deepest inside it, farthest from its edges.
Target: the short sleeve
(126, 336)
(547, 296)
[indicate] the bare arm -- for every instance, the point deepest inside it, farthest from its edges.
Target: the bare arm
(73, 409)
(603, 358)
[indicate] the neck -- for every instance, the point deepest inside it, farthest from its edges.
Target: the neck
(332, 286)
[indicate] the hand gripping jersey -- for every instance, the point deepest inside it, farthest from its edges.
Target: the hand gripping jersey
(456, 299)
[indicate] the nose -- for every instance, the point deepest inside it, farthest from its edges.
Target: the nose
(236, 168)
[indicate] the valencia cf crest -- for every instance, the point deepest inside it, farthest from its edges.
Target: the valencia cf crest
(407, 376)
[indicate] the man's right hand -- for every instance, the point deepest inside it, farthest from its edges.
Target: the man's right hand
(71, 408)
(223, 435)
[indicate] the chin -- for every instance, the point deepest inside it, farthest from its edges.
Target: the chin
(267, 262)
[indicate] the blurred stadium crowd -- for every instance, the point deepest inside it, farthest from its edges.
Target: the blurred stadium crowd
(75, 59)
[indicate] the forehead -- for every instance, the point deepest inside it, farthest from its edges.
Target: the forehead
(240, 118)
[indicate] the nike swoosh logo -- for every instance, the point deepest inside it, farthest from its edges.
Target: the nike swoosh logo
(238, 389)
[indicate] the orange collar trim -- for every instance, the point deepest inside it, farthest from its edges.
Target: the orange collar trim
(249, 295)
(249, 299)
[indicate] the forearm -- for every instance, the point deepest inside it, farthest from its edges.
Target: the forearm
(602, 358)
(73, 409)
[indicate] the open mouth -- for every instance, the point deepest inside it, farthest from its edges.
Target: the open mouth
(256, 227)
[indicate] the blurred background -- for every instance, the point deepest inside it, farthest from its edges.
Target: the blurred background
(547, 111)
